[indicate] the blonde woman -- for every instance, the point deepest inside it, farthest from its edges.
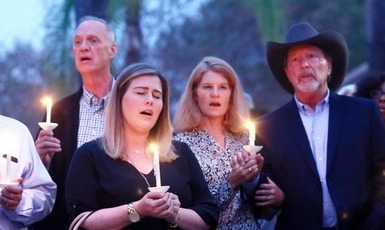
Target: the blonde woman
(111, 175)
(211, 120)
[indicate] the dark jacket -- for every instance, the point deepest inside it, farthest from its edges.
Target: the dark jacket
(355, 165)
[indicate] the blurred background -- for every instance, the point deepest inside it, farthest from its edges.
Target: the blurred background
(36, 36)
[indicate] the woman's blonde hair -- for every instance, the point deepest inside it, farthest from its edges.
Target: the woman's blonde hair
(188, 115)
(113, 138)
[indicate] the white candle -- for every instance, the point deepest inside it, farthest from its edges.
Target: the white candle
(155, 151)
(8, 171)
(251, 128)
(48, 102)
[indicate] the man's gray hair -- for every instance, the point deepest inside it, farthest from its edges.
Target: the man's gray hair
(111, 33)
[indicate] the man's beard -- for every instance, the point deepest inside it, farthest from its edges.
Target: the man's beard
(308, 86)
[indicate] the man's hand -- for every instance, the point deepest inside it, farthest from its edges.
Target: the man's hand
(269, 194)
(11, 196)
(46, 145)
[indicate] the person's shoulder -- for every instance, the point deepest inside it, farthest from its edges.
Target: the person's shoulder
(182, 135)
(70, 99)
(193, 137)
(181, 148)
(11, 122)
(7, 120)
(13, 128)
(179, 144)
(354, 101)
(280, 111)
(93, 144)
(91, 149)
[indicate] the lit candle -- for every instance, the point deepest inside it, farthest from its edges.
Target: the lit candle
(251, 128)
(47, 101)
(155, 151)
(8, 172)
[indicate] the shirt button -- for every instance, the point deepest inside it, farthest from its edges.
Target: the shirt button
(94, 101)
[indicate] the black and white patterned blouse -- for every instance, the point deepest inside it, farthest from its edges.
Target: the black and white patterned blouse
(215, 164)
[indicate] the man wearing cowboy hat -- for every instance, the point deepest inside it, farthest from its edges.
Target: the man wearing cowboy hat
(325, 151)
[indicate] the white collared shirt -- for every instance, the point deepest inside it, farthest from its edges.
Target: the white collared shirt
(39, 191)
(316, 124)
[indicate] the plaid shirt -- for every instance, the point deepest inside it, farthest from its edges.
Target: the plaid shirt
(91, 117)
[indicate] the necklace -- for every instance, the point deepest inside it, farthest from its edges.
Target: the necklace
(132, 163)
(148, 184)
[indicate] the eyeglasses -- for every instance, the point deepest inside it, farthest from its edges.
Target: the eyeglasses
(376, 94)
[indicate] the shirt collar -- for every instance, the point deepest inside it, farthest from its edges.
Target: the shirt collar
(320, 105)
(92, 101)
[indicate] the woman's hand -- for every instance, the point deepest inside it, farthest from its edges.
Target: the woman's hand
(160, 205)
(245, 167)
(174, 216)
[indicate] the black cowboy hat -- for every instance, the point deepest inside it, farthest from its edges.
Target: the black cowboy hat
(331, 42)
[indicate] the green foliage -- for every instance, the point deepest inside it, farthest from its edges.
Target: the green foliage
(345, 16)
(271, 18)
(57, 53)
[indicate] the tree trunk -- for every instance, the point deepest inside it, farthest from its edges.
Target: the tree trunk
(97, 8)
(133, 35)
(376, 34)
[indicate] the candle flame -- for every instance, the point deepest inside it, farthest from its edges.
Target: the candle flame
(250, 124)
(153, 147)
(46, 101)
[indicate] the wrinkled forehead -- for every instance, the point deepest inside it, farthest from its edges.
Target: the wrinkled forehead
(93, 28)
